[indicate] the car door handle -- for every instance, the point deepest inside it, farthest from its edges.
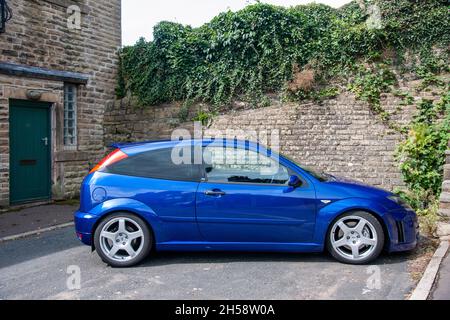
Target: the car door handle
(215, 193)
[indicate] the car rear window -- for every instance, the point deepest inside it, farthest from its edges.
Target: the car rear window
(155, 164)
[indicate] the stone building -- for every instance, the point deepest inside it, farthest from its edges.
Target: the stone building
(58, 64)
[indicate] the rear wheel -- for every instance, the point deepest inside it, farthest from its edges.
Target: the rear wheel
(122, 240)
(355, 238)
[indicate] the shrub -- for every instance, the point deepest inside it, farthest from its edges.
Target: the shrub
(422, 154)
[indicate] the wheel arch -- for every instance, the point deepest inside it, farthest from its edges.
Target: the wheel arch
(130, 206)
(328, 214)
(108, 214)
(383, 224)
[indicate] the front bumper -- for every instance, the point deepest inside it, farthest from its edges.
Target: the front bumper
(404, 230)
(84, 224)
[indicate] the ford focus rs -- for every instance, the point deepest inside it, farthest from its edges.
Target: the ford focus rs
(220, 195)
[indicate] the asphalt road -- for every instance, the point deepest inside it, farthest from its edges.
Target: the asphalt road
(36, 268)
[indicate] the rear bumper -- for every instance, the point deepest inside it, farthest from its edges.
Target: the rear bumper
(84, 224)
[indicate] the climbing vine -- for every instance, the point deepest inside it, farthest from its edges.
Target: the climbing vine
(255, 51)
(370, 82)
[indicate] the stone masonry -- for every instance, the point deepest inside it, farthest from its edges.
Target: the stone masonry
(341, 136)
(445, 196)
(39, 36)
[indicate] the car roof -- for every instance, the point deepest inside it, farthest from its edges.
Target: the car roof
(137, 147)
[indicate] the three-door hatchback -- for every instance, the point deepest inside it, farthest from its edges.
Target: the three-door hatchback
(209, 195)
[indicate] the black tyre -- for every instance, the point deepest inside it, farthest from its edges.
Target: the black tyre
(122, 240)
(355, 238)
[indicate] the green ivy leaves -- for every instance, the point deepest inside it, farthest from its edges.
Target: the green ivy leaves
(422, 155)
(248, 53)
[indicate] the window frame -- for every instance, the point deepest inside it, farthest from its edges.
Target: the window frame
(66, 128)
(197, 178)
(289, 170)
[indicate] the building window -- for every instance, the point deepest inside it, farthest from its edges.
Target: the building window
(70, 115)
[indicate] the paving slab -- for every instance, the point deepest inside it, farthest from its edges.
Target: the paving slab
(35, 218)
(442, 285)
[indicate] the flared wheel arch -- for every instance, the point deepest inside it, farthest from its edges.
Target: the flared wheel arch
(150, 227)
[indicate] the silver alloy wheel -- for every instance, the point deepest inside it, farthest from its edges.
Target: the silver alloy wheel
(121, 239)
(353, 237)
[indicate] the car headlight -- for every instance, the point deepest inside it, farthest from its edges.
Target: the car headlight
(401, 202)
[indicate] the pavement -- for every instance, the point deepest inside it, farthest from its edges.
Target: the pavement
(30, 219)
(55, 265)
(441, 289)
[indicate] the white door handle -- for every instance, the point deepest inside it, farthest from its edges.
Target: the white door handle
(45, 140)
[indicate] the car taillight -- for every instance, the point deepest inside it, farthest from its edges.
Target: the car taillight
(113, 157)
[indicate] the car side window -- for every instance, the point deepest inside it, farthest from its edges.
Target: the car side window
(156, 164)
(234, 165)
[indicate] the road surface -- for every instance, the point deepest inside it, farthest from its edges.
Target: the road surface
(40, 267)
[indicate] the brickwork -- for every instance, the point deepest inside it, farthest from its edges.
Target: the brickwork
(38, 36)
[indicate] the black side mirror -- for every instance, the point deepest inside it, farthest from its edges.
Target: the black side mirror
(295, 182)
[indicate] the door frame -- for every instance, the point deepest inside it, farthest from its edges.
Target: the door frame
(41, 105)
(270, 223)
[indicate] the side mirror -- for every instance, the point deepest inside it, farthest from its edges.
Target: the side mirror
(295, 182)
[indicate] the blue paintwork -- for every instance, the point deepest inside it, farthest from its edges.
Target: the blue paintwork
(248, 217)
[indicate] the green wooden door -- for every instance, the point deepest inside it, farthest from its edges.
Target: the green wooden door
(29, 151)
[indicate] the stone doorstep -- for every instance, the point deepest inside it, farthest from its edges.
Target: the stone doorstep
(15, 208)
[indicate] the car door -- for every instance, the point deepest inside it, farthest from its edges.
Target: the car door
(241, 201)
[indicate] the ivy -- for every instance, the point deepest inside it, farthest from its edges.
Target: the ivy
(203, 117)
(252, 52)
(370, 83)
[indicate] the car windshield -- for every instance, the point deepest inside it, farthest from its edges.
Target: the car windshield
(319, 175)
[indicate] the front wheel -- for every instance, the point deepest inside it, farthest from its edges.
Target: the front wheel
(122, 240)
(355, 238)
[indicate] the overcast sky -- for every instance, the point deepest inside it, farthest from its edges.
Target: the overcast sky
(139, 16)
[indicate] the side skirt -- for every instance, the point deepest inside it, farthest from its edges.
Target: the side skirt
(239, 246)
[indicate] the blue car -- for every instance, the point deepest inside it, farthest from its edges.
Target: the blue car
(230, 195)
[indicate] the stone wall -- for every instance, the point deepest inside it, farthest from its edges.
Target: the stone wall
(341, 136)
(38, 36)
(125, 123)
(338, 137)
(445, 196)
